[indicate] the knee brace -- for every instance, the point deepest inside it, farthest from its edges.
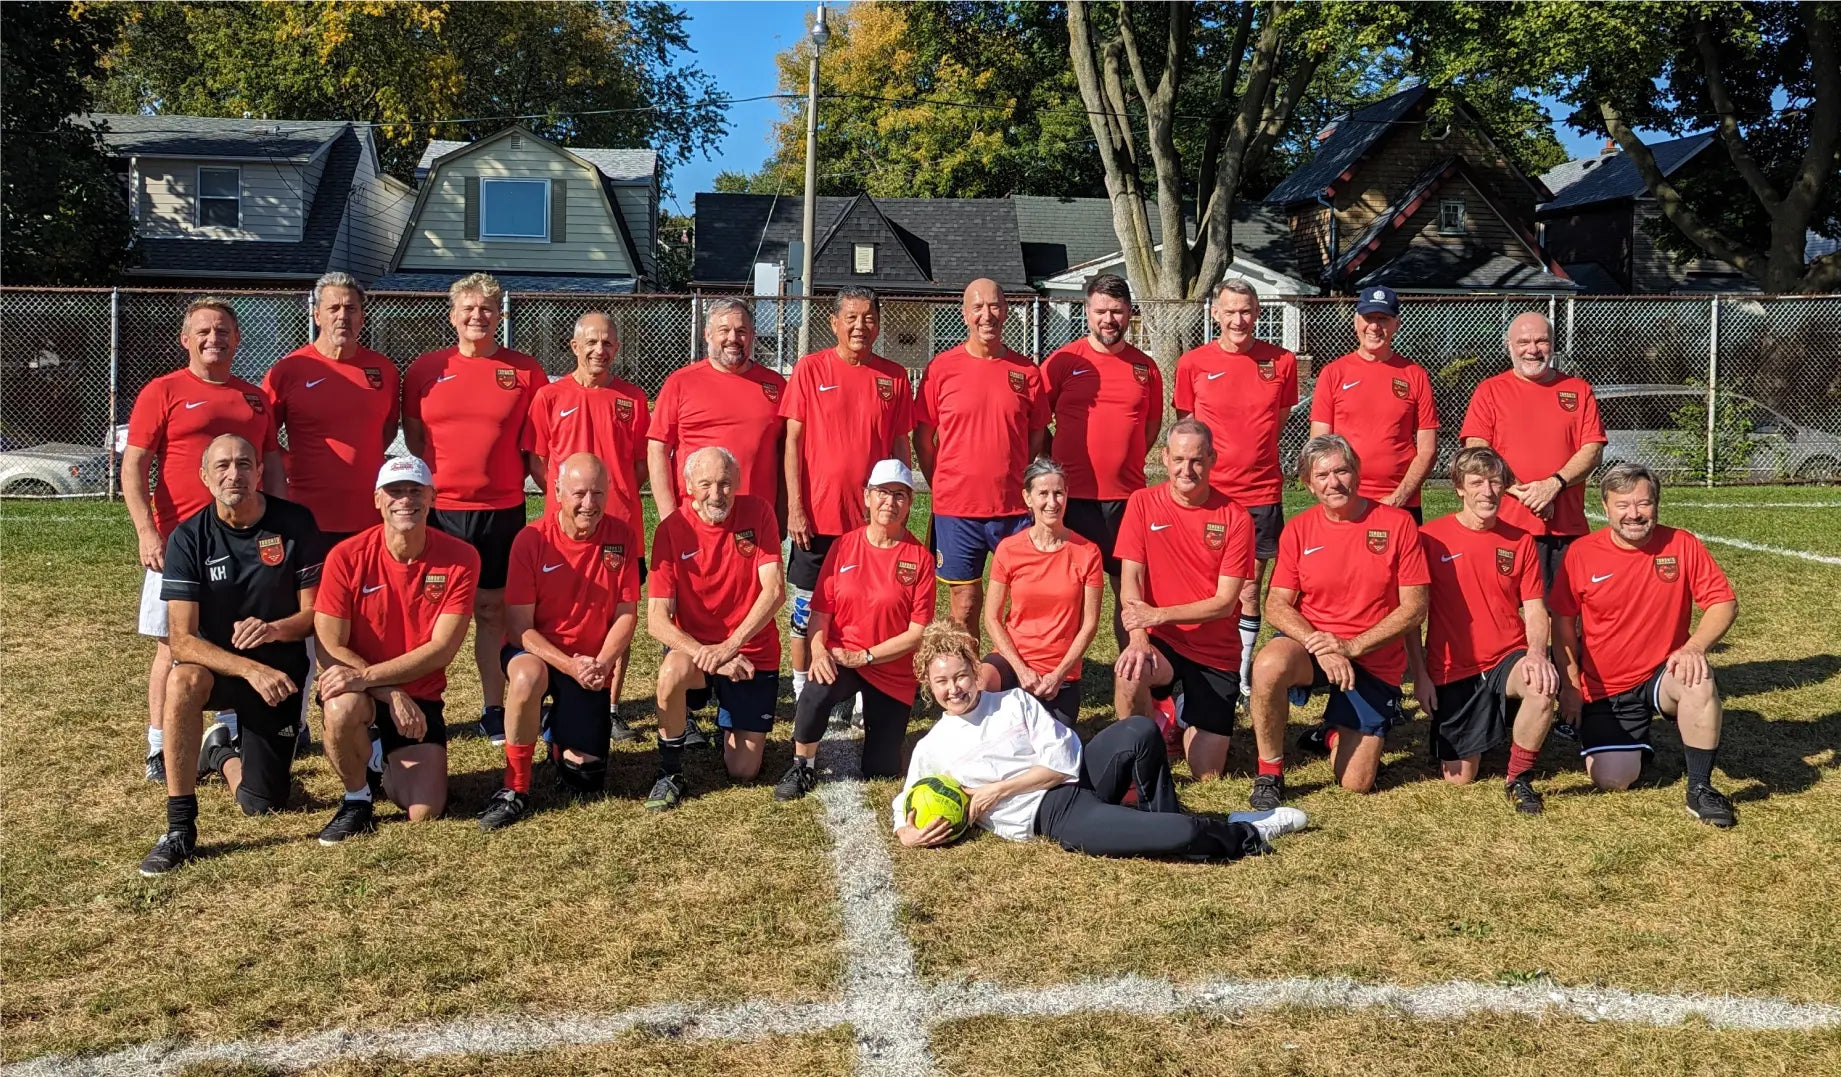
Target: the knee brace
(583, 779)
(802, 611)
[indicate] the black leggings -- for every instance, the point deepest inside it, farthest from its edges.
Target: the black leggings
(1086, 817)
(885, 720)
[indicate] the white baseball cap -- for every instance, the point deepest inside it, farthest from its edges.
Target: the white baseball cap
(404, 469)
(887, 471)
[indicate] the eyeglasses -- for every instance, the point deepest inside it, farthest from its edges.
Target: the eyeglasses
(897, 494)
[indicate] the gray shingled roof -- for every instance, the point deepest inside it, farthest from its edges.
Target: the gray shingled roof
(616, 165)
(1609, 177)
(1349, 140)
(511, 282)
(1061, 233)
(1427, 267)
(215, 136)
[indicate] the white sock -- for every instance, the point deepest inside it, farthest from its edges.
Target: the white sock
(156, 740)
(799, 679)
(1249, 635)
(376, 761)
(856, 708)
(362, 794)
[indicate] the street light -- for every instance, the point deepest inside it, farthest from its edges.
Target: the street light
(820, 34)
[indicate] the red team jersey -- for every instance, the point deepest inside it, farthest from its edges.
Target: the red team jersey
(703, 405)
(1348, 575)
(984, 410)
(176, 417)
(1107, 411)
(1047, 596)
(1380, 407)
(1479, 581)
(573, 583)
(1244, 399)
(392, 605)
(473, 409)
(1536, 427)
(336, 413)
(610, 421)
(713, 571)
(853, 415)
(873, 595)
(1633, 605)
(1185, 552)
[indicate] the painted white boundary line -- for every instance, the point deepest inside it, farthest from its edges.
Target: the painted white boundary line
(1673, 504)
(1805, 555)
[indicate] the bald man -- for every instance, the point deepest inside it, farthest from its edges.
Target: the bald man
(594, 411)
(981, 416)
(571, 602)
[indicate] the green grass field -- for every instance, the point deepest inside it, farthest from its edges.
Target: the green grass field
(598, 908)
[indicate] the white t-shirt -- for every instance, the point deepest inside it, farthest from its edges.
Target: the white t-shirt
(1004, 735)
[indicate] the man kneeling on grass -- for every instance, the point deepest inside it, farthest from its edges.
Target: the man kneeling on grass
(239, 590)
(394, 604)
(1028, 776)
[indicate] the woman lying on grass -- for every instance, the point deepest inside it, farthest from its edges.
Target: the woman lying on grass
(1027, 775)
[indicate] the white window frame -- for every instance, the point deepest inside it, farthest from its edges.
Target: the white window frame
(1463, 214)
(198, 196)
(857, 251)
(485, 185)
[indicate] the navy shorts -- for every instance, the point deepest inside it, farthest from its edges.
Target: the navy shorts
(1373, 707)
(579, 719)
(1620, 723)
(741, 706)
(1473, 712)
(961, 544)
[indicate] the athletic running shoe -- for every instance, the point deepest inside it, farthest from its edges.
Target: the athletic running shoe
(694, 737)
(1268, 792)
(1710, 806)
(354, 817)
(1565, 731)
(506, 807)
(798, 780)
(1521, 794)
(617, 729)
(214, 748)
(156, 768)
(1315, 740)
(173, 849)
(666, 792)
(492, 724)
(1272, 823)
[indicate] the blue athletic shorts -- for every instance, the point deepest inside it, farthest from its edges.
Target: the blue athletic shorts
(961, 544)
(743, 706)
(1373, 708)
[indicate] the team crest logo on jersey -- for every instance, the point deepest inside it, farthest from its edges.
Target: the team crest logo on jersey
(254, 400)
(613, 555)
(1142, 373)
(1018, 382)
(623, 410)
(1401, 389)
(272, 549)
(770, 391)
(744, 542)
(434, 585)
(1569, 401)
(1215, 535)
(1505, 561)
(1377, 542)
(374, 377)
(508, 378)
(1268, 370)
(907, 572)
(1668, 569)
(885, 388)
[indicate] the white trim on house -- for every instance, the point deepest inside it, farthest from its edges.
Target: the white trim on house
(1268, 282)
(488, 182)
(199, 196)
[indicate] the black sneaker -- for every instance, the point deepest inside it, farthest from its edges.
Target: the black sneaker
(694, 737)
(353, 817)
(617, 729)
(1710, 806)
(506, 807)
(156, 768)
(1565, 731)
(217, 746)
(666, 793)
(798, 780)
(171, 851)
(303, 738)
(492, 724)
(1315, 740)
(1268, 792)
(1520, 793)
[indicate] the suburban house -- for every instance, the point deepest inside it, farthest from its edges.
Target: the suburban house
(1397, 194)
(241, 203)
(538, 216)
(1594, 225)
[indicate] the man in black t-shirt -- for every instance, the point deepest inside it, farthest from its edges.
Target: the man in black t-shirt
(239, 584)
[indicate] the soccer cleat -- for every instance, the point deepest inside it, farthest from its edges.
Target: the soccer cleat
(694, 737)
(156, 768)
(214, 749)
(354, 817)
(492, 724)
(666, 793)
(617, 729)
(1268, 792)
(1521, 794)
(506, 807)
(1710, 806)
(173, 849)
(1315, 740)
(1272, 823)
(798, 780)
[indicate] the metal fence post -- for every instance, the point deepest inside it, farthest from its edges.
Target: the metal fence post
(1035, 316)
(505, 319)
(1572, 364)
(108, 420)
(1713, 380)
(696, 315)
(1208, 325)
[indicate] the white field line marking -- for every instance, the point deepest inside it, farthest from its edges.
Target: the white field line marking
(1805, 555)
(1754, 504)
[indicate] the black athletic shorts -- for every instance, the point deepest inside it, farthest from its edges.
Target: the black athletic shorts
(1097, 522)
(489, 531)
(1620, 723)
(394, 741)
(802, 567)
(1373, 707)
(1268, 524)
(1209, 694)
(579, 718)
(1551, 549)
(1473, 712)
(266, 740)
(741, 706)
(1066, 704)
(1417, 512)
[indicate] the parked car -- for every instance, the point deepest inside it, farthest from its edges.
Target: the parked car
(54, 469)
(1639, 422)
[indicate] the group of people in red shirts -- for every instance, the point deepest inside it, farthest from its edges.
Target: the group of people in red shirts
(1038, 471)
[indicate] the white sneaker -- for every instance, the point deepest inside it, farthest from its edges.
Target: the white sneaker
(1271, 824)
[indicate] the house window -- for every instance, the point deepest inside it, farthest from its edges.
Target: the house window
(220, 198)
(514, 208)
(864, 258)
(1451, 218)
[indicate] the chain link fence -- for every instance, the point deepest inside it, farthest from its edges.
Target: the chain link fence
(1706, 389)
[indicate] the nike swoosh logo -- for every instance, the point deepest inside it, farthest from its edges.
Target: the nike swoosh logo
(564, 414)
(1159, 527)
(1451, 557)
(217, 560)
(1601, 579)
(1308, 550)
(687, 555)
(1216, 374)
(314, 382)
(845, 569)
(373, 587)
(551, 568)
(447, 377)
(827, 388)
(1351, 384)
(1077, 373)
(190, 404)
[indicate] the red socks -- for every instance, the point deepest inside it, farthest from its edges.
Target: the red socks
(1521, 760)
(1274, 767)
(518, 766)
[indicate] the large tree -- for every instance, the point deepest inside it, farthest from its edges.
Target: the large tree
(63, 212)
(606, 73)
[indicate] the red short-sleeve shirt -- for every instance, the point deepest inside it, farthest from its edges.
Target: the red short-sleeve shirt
(1536, 427)
(713, 572)
(335, 412)
(984, 410)
(1380, 405)
(1244, 398)
(574, 585)
(392, 605)
(873, 595)
(473, 408)
(610, 421)
(1348, 575)
(1479, 581)
(1047, 596)
(176, 417)
(852, 415)
(1107, 411)
(702, 405)
(1185, 551)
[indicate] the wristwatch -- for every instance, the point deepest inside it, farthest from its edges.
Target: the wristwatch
(868, 659)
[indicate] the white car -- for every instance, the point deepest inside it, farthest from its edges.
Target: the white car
(55, 469)
(1639, 421)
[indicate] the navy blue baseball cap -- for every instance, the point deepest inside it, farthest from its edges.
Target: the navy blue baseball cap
(1377, 299)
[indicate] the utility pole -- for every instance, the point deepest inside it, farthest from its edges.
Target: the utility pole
(820, 34)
